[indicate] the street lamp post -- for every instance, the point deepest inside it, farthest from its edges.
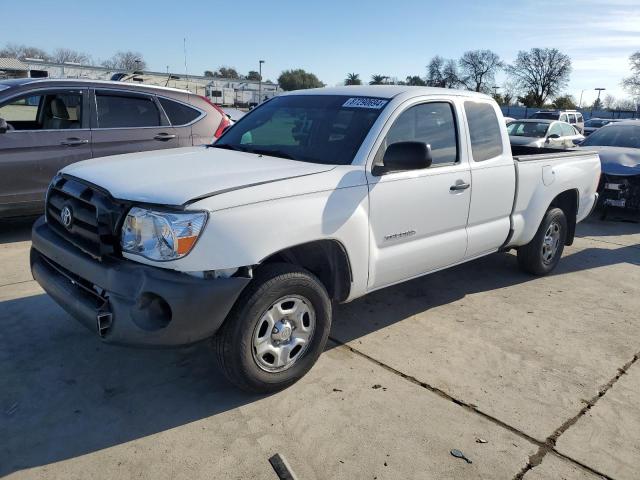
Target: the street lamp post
(260, 62)
(580, 103)
(600, 89)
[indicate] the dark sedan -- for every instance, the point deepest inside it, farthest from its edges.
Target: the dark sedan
(618, 145)
(46, 124)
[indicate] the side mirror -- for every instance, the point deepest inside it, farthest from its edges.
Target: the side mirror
(405, 156)
(3, 126)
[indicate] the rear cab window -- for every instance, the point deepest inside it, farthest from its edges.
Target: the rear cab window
(484, 131)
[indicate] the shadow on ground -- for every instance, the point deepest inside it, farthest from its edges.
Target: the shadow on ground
(16, 229)
(64, 394)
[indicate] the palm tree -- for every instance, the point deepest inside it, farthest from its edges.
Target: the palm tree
(353, 79)
(378, 79)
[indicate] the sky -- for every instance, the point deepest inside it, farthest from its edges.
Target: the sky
(332, 38)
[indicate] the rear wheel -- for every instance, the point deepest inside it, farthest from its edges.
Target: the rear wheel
(276, 331)
(541, 255)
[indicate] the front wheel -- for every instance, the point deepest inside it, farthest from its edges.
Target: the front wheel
(276, 331)
(541, 255)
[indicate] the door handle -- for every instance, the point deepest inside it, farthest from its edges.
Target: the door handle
(164, 136)
(459, 186)
(74, 142)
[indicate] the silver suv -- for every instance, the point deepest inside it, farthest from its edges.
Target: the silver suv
(46, 124)
(572, 117)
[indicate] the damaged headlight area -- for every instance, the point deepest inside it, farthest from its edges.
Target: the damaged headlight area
(161, 236)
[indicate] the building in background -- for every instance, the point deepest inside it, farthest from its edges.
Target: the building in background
(222, 91)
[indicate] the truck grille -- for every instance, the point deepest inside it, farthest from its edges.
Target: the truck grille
(85, 215)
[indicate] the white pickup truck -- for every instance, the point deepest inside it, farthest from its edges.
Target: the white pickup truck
(313, 197)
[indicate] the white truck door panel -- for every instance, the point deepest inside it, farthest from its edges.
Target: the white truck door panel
(493, 178)
(417, 222)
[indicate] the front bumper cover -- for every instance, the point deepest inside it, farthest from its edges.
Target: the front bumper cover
(125, 302)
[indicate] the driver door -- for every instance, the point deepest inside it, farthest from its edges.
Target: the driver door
(418, 218)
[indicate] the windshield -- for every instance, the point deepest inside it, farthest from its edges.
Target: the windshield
(596, 123)
(626, 136)
(327, 129)
(546, 115)
(528, 129)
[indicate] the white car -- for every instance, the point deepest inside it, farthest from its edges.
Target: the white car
(543, 134)
(314, 197)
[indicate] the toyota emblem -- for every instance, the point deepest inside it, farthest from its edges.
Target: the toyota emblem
(66, 217)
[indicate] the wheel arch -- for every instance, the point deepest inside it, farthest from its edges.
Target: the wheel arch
(327, 259)
(567, 201)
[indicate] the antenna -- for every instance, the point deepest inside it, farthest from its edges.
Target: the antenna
(186, 71)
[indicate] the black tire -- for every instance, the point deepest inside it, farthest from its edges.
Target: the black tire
(531, 257)
(234, 341)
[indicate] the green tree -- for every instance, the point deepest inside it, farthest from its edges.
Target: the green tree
(541, 72)
(353, 79)
(226, 72)
(378, 79)
(597, 105)
(415, 80)
(253, 76)
(208, 73)
(298, 79)
(565, 102)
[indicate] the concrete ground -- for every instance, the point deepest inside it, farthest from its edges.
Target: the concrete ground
(531, 378)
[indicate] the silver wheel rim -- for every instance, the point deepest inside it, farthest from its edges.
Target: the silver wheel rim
(283, 333)
(551, 242)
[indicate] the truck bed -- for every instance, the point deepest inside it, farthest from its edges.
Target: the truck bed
(523, 153)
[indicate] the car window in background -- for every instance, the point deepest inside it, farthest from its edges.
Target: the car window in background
(484, 130)
(125, 111)
(432, 123)
(326, 129)
(545, 115)
(626, 136)
(556, 129)
(528, 129)
(178, 113)
(59, 110)
(567, 130)
(572, 118)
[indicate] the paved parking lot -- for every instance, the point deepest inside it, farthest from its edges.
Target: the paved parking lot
(534, 378)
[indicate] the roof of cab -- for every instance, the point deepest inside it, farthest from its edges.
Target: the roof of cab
(386, 91)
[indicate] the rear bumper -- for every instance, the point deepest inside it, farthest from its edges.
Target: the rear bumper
(125, 302)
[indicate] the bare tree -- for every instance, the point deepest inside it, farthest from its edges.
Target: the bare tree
(609, 102)
(442, 73)
(541, 73)
(13, 50)
(126, 61)
(626, 104)
(632, 83)
(478, 69)
(62, 55)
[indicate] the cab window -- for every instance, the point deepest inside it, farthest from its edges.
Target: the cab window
(484, 130)
(432, 123)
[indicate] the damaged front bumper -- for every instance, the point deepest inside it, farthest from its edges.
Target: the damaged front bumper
(125, 302)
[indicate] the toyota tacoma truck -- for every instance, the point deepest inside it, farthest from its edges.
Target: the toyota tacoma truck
(314, 197)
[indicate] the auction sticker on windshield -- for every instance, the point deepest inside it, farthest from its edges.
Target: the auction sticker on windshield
(362, 102)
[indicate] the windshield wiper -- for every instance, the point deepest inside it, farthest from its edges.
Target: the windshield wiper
(226, 146)
(272, 153)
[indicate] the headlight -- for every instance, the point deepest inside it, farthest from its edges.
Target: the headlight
(161, 236)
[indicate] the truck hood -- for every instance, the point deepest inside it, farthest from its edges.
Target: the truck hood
(183, 175)
(619, 161)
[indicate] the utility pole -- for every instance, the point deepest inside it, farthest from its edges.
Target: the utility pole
(260, 62)
(580, 103)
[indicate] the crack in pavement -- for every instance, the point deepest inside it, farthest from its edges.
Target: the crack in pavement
(548, 446)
